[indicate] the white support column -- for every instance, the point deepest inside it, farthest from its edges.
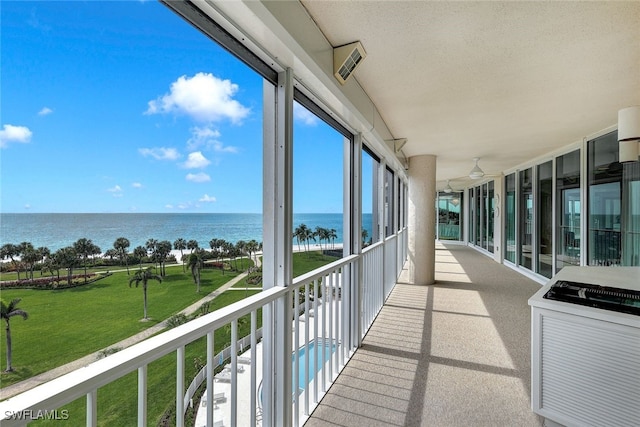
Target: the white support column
(356, 235)
(422, 219)
(277, 241)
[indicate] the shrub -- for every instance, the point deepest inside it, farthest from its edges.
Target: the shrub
(177, 320)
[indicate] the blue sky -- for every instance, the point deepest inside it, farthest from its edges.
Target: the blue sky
(124, 107)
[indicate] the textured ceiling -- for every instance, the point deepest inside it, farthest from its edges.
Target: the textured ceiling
(504, 81)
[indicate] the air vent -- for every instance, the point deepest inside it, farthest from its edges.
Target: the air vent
(346, 59)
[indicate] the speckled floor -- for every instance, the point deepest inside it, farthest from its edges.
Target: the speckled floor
(453, 354)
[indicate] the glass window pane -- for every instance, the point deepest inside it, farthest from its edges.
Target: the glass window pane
(490, 213)
(449, 217)
(510, 217)
(526, 217)
(631, 214)
(605, 195)
(568, 210)
(370, 220)
(388, 202)
(317, 203)
(544, 200)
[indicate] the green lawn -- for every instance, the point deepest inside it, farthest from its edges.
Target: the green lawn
(64, 325)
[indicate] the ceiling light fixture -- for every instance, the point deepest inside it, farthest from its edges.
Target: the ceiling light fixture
(629, 134)
(476, 172)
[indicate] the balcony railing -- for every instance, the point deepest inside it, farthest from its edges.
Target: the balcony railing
(333, 307)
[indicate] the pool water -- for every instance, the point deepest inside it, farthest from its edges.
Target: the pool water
(302, 385)
(324, 357)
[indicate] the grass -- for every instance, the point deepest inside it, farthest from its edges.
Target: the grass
(117, 401)
(64, 325)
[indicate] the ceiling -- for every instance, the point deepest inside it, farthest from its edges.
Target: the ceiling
(504, 81)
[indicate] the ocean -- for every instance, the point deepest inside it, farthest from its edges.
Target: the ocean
(58, 230)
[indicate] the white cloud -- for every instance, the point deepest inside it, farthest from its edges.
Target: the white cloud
(168, 206)
(204, 97)
(160, 153)
(11, 133)
(27, 206)
(45, 111)
(198, 177)
(208, 138)
(305, 116)
(207, 198)
(115, 191)
(136, 185)
(196, 160)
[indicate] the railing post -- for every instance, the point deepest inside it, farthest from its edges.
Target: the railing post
(210, 370)
(142, 396)
(234, 373)
(254, 391)
(92, 408)
(180, 387)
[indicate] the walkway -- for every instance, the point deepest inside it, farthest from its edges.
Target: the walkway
(36, 380)
(452, 354)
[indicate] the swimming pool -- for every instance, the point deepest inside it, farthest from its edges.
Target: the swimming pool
(329, 349)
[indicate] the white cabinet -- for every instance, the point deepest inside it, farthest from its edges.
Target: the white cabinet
(585, 361)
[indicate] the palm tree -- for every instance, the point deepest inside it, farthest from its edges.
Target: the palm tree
(43, 254)
(121, 245)
(163, 250)
(26, 249)
(83, 248)
(241, 247)
(140, 252)
(67, 258)
(322, 234)
(30, 257)
(192, 245)
(152, 246)
(195, 265)
(143, 276)
(365, 234)
(10, 251)
(252, 247)
(333, 236)
(93, 251)
(303, 234)
(7, 311)
(112, 253)
(180, 244)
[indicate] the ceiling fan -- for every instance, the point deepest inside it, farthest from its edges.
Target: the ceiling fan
(477, 173)
(448, 189)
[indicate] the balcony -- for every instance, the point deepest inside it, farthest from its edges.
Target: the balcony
(456, 353)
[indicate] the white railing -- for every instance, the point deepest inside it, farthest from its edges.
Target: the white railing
(402, 250)
(373, 284)
(390, 264)
(324, 328)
